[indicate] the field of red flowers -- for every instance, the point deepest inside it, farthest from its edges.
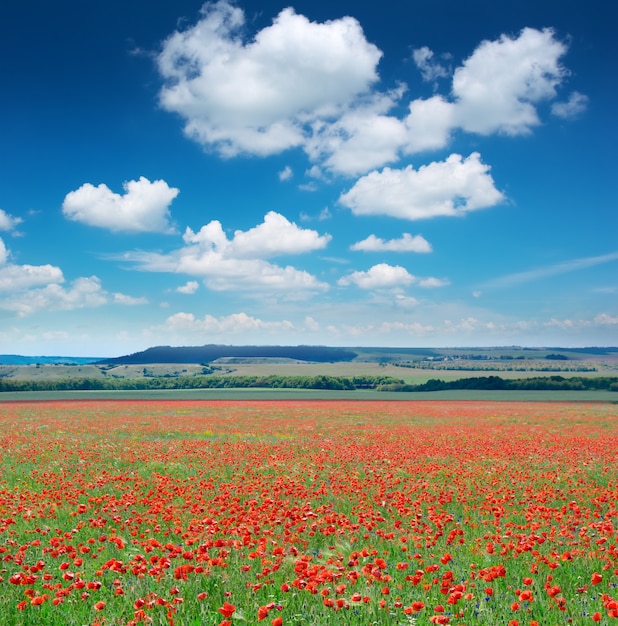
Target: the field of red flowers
(325, 512)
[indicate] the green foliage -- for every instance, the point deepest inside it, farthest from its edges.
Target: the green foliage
(200, 382)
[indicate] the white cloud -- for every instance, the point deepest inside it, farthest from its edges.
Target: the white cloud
(429, 124)
(406, 243)
(429, 67)
(238, 264)
(312, 85)
(83, 292)
(189, 287)
(15, 278)
(275, 236)
(234, 323)
(379, 276)
(604, 319)
(286, 173)
(4, 253)
(121, 298)
(496, 88)
(144, 207)
(574, 106)
(452, 187)
(362, 138)
(8, 222)
(433, 283)
(259, 96)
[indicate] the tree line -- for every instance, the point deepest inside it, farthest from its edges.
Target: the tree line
(536, 383)
(201, 382)
(378, 383)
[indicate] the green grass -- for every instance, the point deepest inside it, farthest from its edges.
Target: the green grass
(313, 394)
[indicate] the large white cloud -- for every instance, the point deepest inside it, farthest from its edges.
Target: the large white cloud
(312, 85)
(239, 263)
(144, 207)
(452, 187)
(380, 276)
(258, 96)
(274, 237)
(406, 243)
(498, 85)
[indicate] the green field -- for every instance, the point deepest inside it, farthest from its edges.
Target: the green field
(313, 394)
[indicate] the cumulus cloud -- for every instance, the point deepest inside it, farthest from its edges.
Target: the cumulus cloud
(312, 85)
(274, 237)
(234, 323)
(497, 87)
(83, 292)
(362, 138)
(239, 263)
(406, 243)
(26, 289)
(381, 276)
(452, 187)
(8, 222)
(574, 106)
(189, 287)
(144, 207)
(15, 278)
(259, 96)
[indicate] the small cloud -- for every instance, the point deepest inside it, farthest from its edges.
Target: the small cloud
(311, 324)
(144, 207)
(381, 276)
(406, 243)
(189, 287)
(311, 187)
(121, 298)
(573, 107)
(8, 222)
(234, 323)
(324, 214)
(430, 69)
(433, 283)
(286, 173)
(606, 320)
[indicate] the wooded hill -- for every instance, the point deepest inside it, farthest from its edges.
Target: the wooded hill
(212, 352)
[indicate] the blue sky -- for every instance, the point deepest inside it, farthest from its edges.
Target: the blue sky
(337, 173)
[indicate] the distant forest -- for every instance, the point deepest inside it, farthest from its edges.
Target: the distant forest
(212, 352)
(378, 383)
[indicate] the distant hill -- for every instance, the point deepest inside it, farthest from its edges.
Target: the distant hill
(17, 359)
(212, 352)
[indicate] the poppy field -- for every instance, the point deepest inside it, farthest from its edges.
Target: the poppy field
(224, 513)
